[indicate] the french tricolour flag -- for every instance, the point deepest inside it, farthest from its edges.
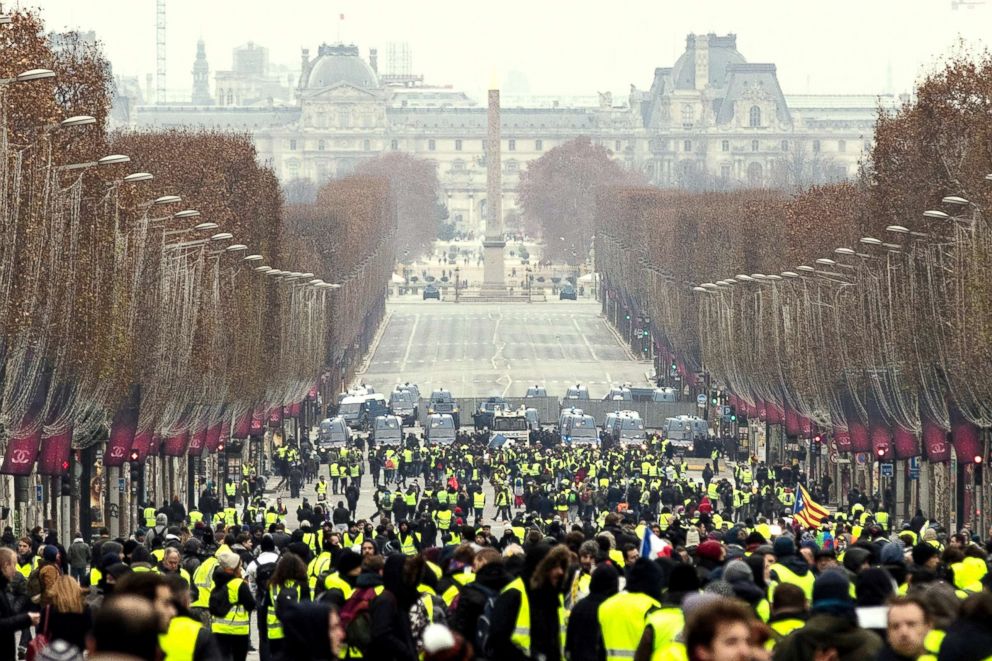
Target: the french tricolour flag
(653, 546)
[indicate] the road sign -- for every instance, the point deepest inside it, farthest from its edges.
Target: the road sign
(861, 458)
(914, 473)
(120, 484)
(887, 469)
(701, 401)
(914, 463)
(38, 493)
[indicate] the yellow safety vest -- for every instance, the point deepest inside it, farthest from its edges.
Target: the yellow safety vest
(478, 500)
(968, 574)
(444, 519)
(95, 575)
(204, 579)
(521, 630)
(321, 488)
(786, 626)
(621, 619)
(334, 580)
(318, 566)
(272, 622)
(195, 516)
(786, 575)
(408, 545)
(270, 518)
(236, 622)
(334, 470)
(149, 514)
(230, 489)
(179, 642)
(230, 516)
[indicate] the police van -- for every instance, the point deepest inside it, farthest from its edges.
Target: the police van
(684, 431)
(578, 391)
(387, 431)
(628, 429)
(580, 430)
(332, 434)
(565, 414)
(440, 429)
(404, 404)
(512, 425)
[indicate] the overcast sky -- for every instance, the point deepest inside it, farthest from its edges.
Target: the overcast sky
(560, 46)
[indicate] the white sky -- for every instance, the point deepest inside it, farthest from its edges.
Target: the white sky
(560, 46)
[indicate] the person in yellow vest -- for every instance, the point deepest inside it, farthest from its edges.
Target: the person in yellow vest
(195, 516)
(790, 610)
(353, 537)
(148, 513)
(231, 605)
(186, 637)
(478, 502)
(231, 491)
(790, 567)
(230, 516)
(287, 586)
(321, 488)
(340, 584)
(529, 615)
(409, 540)
(623, 616)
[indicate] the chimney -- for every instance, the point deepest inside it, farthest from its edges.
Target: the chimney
(702, 61)
(304, 60)
(374, 59)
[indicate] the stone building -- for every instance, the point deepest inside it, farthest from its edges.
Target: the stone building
(712, 120)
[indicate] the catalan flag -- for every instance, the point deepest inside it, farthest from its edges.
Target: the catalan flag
(806, 510)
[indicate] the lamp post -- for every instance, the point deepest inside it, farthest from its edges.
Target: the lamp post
(530, 279)
(457, 282)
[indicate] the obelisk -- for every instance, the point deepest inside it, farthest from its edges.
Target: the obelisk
(493, 280)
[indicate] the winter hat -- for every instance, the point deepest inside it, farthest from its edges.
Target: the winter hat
(710, 550)
(874, 587)
(854, 557)
(892, 554)
(161, 520)
(922, 552)
(737, 570)
(437, 638)
(646, 577)
(268, 545)
(59, 650)
(229, 560)
(720, 587)
(605, 580)
(683, 579)
(784, 546)
(832, 587)
(50, 554)
(734, 552)
(348, 560)
(305, 524)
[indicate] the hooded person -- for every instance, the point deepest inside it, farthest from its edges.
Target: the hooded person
(893, 559)
(832, 626)
(158, 531)
(584, 643)
(622, 616)
(739, 576)
(391, 636)
(528, 617)
(490, 579)
(305, 627)
(874, 588)
(709, 559)
(790, 567)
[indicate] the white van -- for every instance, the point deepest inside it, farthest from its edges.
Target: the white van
(628, 429)
(333, 433)
(578, 391)
(565, 414)
(350, 409)
(387, 430)
(580, 430)
(683, 431)
(536, 391)
(440, 429)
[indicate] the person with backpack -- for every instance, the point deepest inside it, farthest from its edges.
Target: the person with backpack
(356, 617)
(389, 614)
(471, 612)
(231, 604)
(259, 572)
(288, 586)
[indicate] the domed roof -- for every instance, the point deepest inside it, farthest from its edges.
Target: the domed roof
(341, 64)
(721, 52)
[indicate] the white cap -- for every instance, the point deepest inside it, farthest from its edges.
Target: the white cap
(437, 638)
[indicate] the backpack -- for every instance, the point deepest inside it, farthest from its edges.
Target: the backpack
(263, 574)
(356, 620)
(485, 619)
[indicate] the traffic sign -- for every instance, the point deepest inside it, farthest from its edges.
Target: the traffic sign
(914, 473)
(120, 484)
(914, 463)
(38, 492)
(701, 401)
(887, 469)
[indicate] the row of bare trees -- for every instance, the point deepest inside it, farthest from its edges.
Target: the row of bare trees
(188, 294)
(865, 306)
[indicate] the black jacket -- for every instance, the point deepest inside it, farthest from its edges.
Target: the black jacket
(10, 622)
(543, 626)
(391, 637)
(489, 581)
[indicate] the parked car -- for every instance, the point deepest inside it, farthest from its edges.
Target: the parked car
(431, 291)
(565, 293)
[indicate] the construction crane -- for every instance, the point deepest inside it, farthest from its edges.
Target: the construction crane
(160, 52)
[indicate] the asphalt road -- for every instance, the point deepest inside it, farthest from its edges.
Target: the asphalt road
(479, 350)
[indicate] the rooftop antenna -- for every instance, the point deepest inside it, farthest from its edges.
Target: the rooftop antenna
(160, 51)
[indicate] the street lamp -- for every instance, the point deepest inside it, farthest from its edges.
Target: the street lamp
(138, 176)
(112, 159)
(202, 227)
(252, 258)
(457, 281)
(28, 76)
(186, 213)
(77, 120)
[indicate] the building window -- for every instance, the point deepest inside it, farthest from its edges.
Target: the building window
(321, 119)
(816, 146)
(367, 145)
(725, 145)
(458, 145)
(687, 145)
(512, 166)
(754, 174)
(725, 171)
(511, 145)
(754, 145)
(431, 145)
(785, 145)
(344, 119)
(458, 165)
(394, 145)
(320, 145)
(841, 145)
(539, 145)
(616, 146)
(292, 145)
(754, 117)
(688, 115)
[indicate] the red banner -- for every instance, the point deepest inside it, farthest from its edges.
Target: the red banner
(196, 442)
(792, 422)
(142, 445)
(213, 436)
(55, 451)
(881, 441)
(294, 409)
(257, 422)
(860, 441)
(762, 406)
(122, 430)
(177, 444)
(935, 445)
(965, 437)
(21, 453)
(275, 417)
(842, 438)
(774, 413)
(905, 442)
(242, 426)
